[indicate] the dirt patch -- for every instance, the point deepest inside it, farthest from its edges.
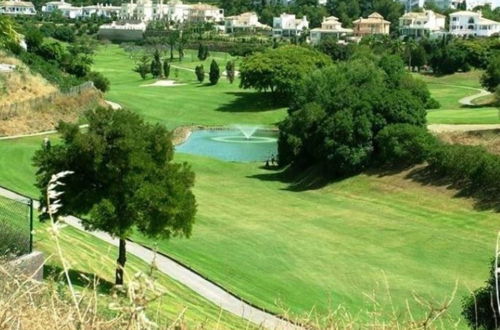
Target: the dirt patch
(490, 139)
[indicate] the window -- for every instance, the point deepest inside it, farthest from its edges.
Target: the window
(454, 19)
(471, 20)
(471, 27)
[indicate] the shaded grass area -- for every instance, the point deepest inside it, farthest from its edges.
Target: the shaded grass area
(222, 104)
(336, 244)
(90, 259)
(448, 90)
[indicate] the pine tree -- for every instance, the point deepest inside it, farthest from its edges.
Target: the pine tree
(214, 74)
(201, 52)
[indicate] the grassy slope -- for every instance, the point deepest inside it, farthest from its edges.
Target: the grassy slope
(327, 246)
(86, 254)
(183, 105)
(448, 92)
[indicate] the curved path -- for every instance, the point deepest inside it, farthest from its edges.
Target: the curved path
(180, 273)
(467, 101)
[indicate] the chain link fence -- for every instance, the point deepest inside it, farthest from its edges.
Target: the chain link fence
(16, 226)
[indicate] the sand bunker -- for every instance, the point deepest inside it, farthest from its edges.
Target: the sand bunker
(163, 83)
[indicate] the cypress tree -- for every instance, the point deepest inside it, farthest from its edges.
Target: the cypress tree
(214, 74)
(230, 73)
(166, 68)
(200, 73)
(156, 69)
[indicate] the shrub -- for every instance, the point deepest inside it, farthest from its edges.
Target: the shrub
(214, 74)
(403, 145)
(480, 309)
(491, 77)
(166, 68)
(12, 240)
(99, 80)
(200, 73)
(432, 103)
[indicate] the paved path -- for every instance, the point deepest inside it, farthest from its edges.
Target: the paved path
(7, 67)
(114, 105)
(195, 282)
(444, 128)
(467, 101)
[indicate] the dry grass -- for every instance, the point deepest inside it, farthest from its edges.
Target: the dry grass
(490, 139)
(68, 109)
(21, 85)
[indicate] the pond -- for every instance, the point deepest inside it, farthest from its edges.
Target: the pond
(231, 145)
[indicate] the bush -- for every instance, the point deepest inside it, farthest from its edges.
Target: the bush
(214, 74)
(491, 77)
(12, 240)
(432, 103)
(480, 309)
(99, 80)
(403, 145)
(200, 73)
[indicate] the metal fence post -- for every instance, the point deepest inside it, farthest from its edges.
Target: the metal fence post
(31, 224)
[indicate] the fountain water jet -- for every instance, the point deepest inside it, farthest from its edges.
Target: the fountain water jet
(247, 131)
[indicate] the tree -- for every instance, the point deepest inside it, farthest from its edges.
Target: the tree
(100, 81)
(491, 77)
(202, 52)
(166, 68)
(124, 178)
(200, 73)
(172, 39)
(230, 71)
(8, 36)
(480, 309)
(156, 69)
(214, 74)
(143, 66)
(279, 70)
(337, 111)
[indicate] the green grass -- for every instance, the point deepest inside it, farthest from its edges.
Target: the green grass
(448, 90)
(193, 103)
(88, 256)
(329, 246)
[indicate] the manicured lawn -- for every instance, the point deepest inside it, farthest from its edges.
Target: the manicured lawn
(190, 104)
(319, 248)
(448, 90)
(89, 256)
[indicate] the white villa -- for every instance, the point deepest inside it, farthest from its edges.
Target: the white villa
(175, 11)
(244, 22)
(445, 4)
(288, 26)
(17, 7)
(421, 24)
(470, 23)
(70, 11)
(330, 27)
(122, 31)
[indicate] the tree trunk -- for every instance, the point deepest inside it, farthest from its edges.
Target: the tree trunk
(120, 262)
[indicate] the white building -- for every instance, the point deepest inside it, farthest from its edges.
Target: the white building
(175, 11)
(445, 4)
(288, 26)
(421, 24)
(122, 31)
(244, 22)
(17, 7)
(67, 9)
(470, 23)
(471, 4)
(329, 27)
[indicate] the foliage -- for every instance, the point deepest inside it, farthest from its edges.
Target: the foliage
(166, 68)
(78, 65)
(8, 35)
(338, 52)
(124, 178)
(214, 74)
(156, 69)
(200, 73)
(202, 52)
(337, 111)
(279, 70)
(143, 66)
(100, 81)
(480, 309)
(403, 145)
(230, 71)
(491, 77)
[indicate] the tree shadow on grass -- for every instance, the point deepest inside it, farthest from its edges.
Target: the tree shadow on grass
(297, 181)
(484, 200)
(78, 278)
(252, 102)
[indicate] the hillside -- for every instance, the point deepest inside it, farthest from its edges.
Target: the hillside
(29, 103)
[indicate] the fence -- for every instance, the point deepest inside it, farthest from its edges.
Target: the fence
(11, 110)
(16, 226)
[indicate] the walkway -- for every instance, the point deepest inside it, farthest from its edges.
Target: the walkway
(178, 272)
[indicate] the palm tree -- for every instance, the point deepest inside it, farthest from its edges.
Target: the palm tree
(410, 46)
